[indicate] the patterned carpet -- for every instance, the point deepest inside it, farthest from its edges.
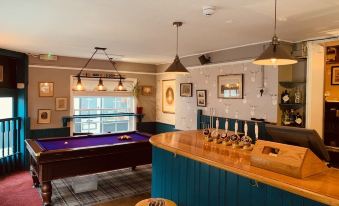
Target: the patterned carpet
(111, 185)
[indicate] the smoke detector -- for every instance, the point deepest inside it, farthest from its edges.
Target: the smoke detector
(208, 10)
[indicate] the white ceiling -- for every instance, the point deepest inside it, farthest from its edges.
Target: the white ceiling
(141, 30)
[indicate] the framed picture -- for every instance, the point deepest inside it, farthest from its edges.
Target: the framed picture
(335, 75)
(146, 90)
(168, 94)
(186, 89)
(201, 98)
(44, 116)
(46, 89)
(61, 104)
(230, 86)
(1, 73)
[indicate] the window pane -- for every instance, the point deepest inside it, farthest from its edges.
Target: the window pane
(103, 105)
(6, 107)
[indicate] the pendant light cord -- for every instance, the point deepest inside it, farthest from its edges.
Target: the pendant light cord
(113, 64)
(177, 38)
(275, 18)
(88, 61)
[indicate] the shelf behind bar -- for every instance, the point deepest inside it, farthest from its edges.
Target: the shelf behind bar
(67, 119)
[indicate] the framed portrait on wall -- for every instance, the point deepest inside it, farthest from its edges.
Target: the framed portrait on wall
(44, 116)
(46, 89)
(168, 94)
(146, 90)
(61, 104)
(186, 89)
(335, 75)
(230, 86)
(201, 98)
(1, 73)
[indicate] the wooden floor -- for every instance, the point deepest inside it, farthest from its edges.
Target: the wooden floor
(128, 201)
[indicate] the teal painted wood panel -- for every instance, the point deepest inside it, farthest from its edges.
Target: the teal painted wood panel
(191, 183)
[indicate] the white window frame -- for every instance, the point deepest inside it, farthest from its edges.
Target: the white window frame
(130, 82)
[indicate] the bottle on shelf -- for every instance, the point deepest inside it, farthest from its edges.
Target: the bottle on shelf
(297, 96)
(286, 118)
(292, 118)
(285, 97)
(298, 120)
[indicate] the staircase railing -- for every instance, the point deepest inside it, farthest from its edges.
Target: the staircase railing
(9, 144)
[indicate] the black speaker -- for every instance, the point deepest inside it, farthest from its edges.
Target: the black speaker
(204, 60)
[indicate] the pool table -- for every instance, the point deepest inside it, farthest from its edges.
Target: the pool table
(54, 158)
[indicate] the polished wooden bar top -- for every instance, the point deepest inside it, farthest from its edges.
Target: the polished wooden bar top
(323, 187)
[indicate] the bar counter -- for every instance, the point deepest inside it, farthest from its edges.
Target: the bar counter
(186, 146)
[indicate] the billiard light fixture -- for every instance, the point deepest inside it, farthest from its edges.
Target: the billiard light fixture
(275, 54)
(177, 66)
(100, 87)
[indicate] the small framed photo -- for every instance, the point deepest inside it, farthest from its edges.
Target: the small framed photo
(186, 89)
(146, 90)
(335, 75)
(201, 98)
(46, 89)
(1, 73)
(230, 86)
(61, 104)
(44, 116)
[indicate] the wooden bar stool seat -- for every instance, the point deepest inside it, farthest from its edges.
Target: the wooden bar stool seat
(147, 202)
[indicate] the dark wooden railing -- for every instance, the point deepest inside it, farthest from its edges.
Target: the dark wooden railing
(9, 144)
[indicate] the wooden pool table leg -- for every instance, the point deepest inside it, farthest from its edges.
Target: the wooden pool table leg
(46, 192)
(35, 179)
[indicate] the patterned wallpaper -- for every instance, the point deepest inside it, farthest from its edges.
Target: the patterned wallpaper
(205, 77)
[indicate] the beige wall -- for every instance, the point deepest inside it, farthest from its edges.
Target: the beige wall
(60, 72)
(223, 62)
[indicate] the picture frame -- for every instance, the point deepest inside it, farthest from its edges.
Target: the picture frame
(46, 89)
(168, 94)
(335, 75)
(44, 116)
(230, 86)
(1, 73)
(61, 104)
(201, 98)
(186, 89)
(146, 90)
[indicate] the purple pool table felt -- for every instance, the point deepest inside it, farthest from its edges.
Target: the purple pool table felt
(89, 141)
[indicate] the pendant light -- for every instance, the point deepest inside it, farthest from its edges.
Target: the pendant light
(100, 86)
(79, 86)
(120, 86)
(177, 66)
(275, 54)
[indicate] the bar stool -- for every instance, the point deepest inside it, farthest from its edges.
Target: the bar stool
(147, 201)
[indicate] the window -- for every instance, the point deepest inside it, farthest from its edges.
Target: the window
(6, 107)
(91, 105)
